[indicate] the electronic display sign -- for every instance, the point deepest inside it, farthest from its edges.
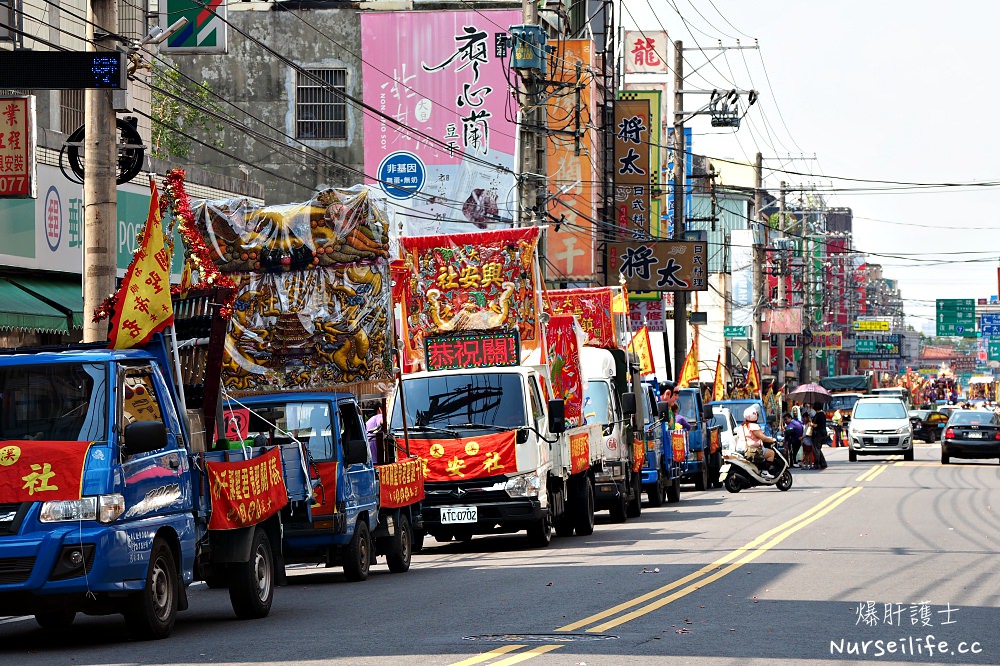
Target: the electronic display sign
(63, 70)
(473, 349)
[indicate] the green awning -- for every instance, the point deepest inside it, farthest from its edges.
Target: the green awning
(65, 295)
(21, 310)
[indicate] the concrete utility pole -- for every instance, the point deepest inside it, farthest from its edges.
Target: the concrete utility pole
(680, 159)
(759, 286)
(100, 188)
(533, 143)
(781, 286)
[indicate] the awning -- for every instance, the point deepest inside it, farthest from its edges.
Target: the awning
(65, 295)
(21, 310)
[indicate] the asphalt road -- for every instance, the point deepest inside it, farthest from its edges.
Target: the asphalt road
(879, 561)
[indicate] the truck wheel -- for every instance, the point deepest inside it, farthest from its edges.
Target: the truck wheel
(564, 523)
(418, 541)
(713, 473)
(674, 491)
(52, 620)
(151, 613)
(618, 511)
(357, 559)
(657, 493)
(634, 507)
(701, 481)
(251, 583)
(400, 546)
(540, 533)
(583, 513)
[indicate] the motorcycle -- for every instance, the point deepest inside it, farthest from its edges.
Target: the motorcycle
(738, 473)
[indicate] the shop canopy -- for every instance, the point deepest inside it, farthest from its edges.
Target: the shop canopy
(40, 304)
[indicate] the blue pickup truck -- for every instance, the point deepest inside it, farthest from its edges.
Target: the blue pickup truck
(703, 454)
(661, 474)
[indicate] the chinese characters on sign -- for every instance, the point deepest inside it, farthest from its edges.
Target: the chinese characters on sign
(645, 52)
(17, 147)
(41, 471)
(662, 266)
(466, 457)
(632, 142)
(565, 337)
(473, 350)
(401, 483)
(247, 492)
(593, 309)
(579, 451)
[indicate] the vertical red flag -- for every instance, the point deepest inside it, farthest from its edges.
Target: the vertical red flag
(142, 303)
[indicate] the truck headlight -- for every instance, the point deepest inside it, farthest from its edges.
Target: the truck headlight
(105, 508)
(526, 485)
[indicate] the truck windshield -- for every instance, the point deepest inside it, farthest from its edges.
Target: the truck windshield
(687, 405)
(597, 402)
(443, 401)
(277, 423)
(54, 402)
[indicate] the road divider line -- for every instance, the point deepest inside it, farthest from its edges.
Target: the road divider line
(704, 570)
(864, 477)
(749, 557)
(487, 656)
(880, 470)
(524, 656)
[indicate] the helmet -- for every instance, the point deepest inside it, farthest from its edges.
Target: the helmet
(751, 414)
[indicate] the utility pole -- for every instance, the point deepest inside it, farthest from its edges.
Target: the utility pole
(100, 188)
(680, 160)
(759, 285)
(781, 287)
(532, 142)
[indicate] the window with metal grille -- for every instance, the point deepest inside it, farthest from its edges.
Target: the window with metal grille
(70, 110)
(320, 108)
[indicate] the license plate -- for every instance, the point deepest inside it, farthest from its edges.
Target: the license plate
(975, 435)
(459, 514)
(881, 439)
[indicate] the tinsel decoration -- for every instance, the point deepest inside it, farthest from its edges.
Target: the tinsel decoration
(196, 250)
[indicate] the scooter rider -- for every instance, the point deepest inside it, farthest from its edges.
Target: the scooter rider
(755, 439)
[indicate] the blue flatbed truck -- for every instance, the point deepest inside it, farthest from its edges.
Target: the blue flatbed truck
(701, 464)
(661, 474)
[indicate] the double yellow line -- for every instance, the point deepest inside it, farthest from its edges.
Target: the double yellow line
(879, 468)
(660, 597)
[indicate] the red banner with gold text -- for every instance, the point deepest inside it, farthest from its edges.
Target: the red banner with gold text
(36, 471)
(247, 492)
(638, 455)
(401, 483)
(325, 494)
(593, 309)
(466, 457)
(564, 338)
(579, 451)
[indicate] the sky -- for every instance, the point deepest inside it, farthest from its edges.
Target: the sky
(882, 90)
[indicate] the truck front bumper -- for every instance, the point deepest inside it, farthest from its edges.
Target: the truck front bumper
(511, 515)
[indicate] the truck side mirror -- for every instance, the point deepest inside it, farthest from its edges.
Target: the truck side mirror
(628, 403)
(557, 416)
(143, 437)
(663, 411)
(356, 452)
(709, 413)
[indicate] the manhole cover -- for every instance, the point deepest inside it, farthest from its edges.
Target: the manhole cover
(539, 638)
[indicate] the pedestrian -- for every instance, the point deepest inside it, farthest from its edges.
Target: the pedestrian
(793, 438)
(808, 461)
(373, 429)
(838, 427)
(820, 436)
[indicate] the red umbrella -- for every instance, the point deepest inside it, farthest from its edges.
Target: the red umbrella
(809, 393)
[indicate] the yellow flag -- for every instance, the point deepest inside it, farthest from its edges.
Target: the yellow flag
(641, 347)
(719, 387)
(689, 371)
(142, 303)
(753, 379)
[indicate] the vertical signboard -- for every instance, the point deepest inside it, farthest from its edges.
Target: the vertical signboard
(688, 183)
(441, 77)
(571, 171)
(205, 31)
(645, 52)
(17, 148)
(655, 122)
(741, 261)
(632, 142)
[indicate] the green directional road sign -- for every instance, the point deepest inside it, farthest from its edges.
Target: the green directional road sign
(736, 332)
(993, 350)
(956, 317)
(865, 346)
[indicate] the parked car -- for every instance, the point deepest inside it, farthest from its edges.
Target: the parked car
(971, 434)
(880, 426)
(723, 418)
(927, 424)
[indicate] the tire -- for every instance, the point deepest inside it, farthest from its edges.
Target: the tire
(657, 493)
(713, 474)
(733, 483)
(53, 620)
(618, 510)
(908, 454)
(852, 455)
(418, 541)
(945, 458)
(400, 546)
(251, 583)
(540, 533)
(784, 481)
(150, 614)
(674, 491)
(564, 523)
(701, 481)
(217, 579)
(583, 513)
(357, 559)
(634, 507)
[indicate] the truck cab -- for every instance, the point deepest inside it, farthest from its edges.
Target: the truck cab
(704, 455)
(661, 473)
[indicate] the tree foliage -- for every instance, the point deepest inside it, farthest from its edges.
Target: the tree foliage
(180, 106)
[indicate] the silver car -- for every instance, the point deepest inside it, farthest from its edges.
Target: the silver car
(880, 426)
